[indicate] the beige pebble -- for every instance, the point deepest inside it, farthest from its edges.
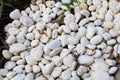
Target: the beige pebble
(108, 25)
(36, 69)
(83, 5)
(15, 58)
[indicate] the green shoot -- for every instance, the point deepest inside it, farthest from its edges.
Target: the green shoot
(75, 1)
(67, 5)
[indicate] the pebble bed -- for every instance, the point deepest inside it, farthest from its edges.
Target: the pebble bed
(83, 47)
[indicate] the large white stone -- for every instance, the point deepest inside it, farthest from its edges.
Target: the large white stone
(17, 47)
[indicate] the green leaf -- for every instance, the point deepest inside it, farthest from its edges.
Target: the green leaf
(75, 1)
(67, 5)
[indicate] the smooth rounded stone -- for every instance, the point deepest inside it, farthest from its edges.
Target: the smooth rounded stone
(30, 36)
(10, 74)
(46, 18)
(40, 25)
(30, 60)
(96, 39)
(64, 41)
(56, 72)
(84, 41)
(34, 43)
(81, 70)
(66, 29)
(80, 48)
(64, 52)
(44, 61)
(83, 6)
(18, 77)
(57, 60)
(68, 19)
(31, 28)
(66, 75)
(66, 1)
(111, 42)
(15, 14)
(21, 62)
(55, 33)
(68, 60)
(13, 31)
(114, 32)
(112, 70)
(48, 69)
(55, 51)
(37, 53)
(15, 58)
(73, 40)
(91, 46)
(118, 39)
(9, 65)
(47, 50)
(83, 22)
(29, 76)
(75, 78)
(54, 44)
(86, 75)
(26, 20)
(108, 25)
(106, 36)
(28, 68)
(40, 78)
(50, 4)
(81, 32)
(77, 17)
(90, 32)
(17, 47)
(36, 69)
(6, 54)
(100, 75)
(90, 52)
(3, 72)
(99, 30)
(73, 26)
(24, 54)
(85, 60)
(92, 8)
(11, 39)
(44, 38)
(34, 7)
(110, 62)
(97, 54)
(18, 69)
(108, 17)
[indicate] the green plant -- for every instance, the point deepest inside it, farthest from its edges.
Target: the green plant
(68, 5)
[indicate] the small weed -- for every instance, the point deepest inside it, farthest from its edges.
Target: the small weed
(68, 4)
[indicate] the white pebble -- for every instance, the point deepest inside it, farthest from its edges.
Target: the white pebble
(73, 26)
(66, 75)
(80, 48)
(34, 43)
(15, 14)
(30, 60)
(26, 20)
(11, 39)
(66, 1)
(96, 39)
(40, 25)
(6, 54)
(28, 68)
(46, 18)
(30, 36)
(85, 60)
(56, 72)
(54, 44)
(48, 69)
(81, 70)
(36, 69)
(112, 70)
(13, 31)
(37, 53)
(29, 76)
(18, 77)
(17, 47)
